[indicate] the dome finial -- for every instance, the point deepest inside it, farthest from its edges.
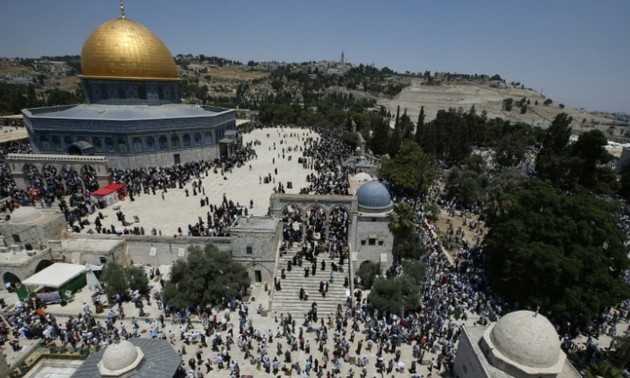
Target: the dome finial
(122, 9)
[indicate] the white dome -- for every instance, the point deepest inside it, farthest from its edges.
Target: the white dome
(25, 214)
(362, 177)
(528, 339)
(119, 356)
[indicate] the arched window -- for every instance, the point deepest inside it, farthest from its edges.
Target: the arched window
(197, 139)
(122, 145)
(56, 141)
(43, 142)
(163, 142)
(208, 137)
(109, 144)
(174, 141)
(186, 140)
(150, 143)
(137, 145)
(97, 143)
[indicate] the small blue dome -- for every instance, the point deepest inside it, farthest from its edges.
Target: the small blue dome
(374, 196)
(362, 164)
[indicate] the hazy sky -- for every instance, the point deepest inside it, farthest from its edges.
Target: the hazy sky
(576, 51)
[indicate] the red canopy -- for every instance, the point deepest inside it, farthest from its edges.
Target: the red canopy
(109, 189)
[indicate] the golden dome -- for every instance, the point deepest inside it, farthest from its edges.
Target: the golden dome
(124, 49)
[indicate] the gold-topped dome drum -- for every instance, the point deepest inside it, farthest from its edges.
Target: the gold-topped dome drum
(133, 113)
(124, 49)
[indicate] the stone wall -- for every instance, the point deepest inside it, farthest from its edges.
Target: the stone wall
(255, 245)
(76, 249)
(159, 250)
(20, 264)
(164, 159)
(467, 362)
(36, 233)
(17, 163)
(373, 230)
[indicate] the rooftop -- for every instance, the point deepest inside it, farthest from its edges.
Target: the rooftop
(257, 223)
(120, 112)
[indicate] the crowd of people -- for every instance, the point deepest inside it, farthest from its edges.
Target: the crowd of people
(11, 122)
(71, 190)
(326, 156)
(8, 189)
(356, 339)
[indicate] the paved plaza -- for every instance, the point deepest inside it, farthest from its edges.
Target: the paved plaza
(241, 185)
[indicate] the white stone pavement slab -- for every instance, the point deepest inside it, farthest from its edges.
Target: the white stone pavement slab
(241, 185)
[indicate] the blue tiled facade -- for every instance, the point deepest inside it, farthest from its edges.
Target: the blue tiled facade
(117, 124)
(51, 135)
(120, 92)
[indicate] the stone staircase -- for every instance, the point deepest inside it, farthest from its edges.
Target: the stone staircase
(287, 300)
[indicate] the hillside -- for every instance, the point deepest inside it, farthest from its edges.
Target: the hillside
(227, 83)
(488, 97)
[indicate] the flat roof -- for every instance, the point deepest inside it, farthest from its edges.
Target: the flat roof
(55, 275)
(121, 112)
(256, 223)
(160, 360)
(83, 244)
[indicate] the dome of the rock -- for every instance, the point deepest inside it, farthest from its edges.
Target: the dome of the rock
(124, 49)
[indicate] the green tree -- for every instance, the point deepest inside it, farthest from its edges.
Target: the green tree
(415, 270)
(113, 279)
(406, 126)
(624, 189)
(589, 155)
(117, 279)
(411, 171)
(621, 345)
(402, 225)
(561, 252)
(466, 185)
(497, 199)
(396, 136)
(368, 271)
(380, 138)
(351, 139)
(450, 135)
(395, 296)
(603, 369)
(553, 159)
(558, 134)
(511, 147)
(206, 277)
(420, 127)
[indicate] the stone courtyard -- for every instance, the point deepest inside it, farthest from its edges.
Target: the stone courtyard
(241, 185)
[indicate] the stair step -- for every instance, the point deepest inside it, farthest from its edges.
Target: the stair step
(287, 299)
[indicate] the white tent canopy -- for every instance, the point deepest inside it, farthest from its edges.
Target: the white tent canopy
(91, 279)
(56, 275)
